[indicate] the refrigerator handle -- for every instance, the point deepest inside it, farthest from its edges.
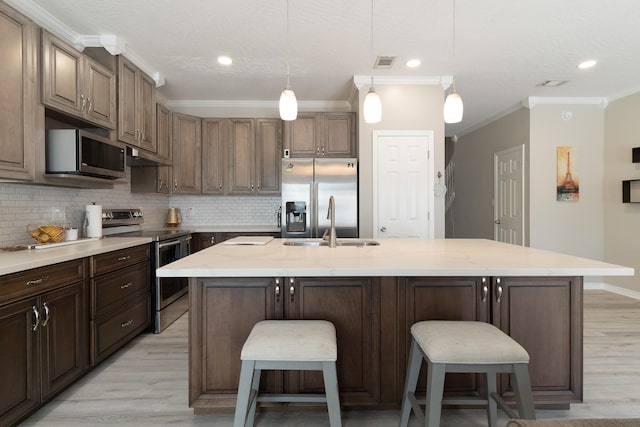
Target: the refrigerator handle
(314, 217)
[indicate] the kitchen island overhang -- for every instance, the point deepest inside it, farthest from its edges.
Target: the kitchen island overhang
(373, 294)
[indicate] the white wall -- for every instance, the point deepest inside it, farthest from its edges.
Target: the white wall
(622, 221)
(576, 227)
(404, 107)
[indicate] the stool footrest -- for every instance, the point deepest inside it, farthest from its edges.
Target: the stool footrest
(503, 405)
(292, 398)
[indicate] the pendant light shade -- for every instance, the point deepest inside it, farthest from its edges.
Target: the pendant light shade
(453, 108)
(288, 105)
(372, 107)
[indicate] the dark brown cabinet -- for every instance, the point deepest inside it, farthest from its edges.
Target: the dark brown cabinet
(350, 303)
(321, 135)
(75, 84)
(120, 299)
(18, 94)
(204, 240)
(43, 335)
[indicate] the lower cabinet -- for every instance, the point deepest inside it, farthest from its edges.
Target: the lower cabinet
(219, 332)
(373, 318)
(120, 299)
(43, 336)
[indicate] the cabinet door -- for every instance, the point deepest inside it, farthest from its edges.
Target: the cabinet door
(203, 240)
(63, 336)
(62, 85)
(544, 314)
(241, 156)
(127, 102)
(302, 135)
(18, 89)
(444, 298)
(147, 112)
(268, 150)
(186, 154)
(163, 132)
(101, 94)
(19, 357)
(227, 310)
(214, 138)
(339, 135)
(352, 305)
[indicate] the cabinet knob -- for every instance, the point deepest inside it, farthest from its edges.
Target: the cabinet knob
(219, 186)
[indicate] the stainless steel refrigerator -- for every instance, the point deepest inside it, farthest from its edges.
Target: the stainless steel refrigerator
(307, 185)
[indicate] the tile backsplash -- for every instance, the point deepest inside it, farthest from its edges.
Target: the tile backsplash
(21, 205)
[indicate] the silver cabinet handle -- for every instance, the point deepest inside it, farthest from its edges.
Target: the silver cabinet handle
(90, 105)
(277, 290)
(37, 316)
(46, 314)
(219, 186)
(124, 258)
(175, 184)
(127, 323)
(39, 281)
(84, 102)
(213, 240)
(323, 149)
(292, 289)
(485, 289)
(499, 291)
(126, 285)
(497, 221)
(318, 149)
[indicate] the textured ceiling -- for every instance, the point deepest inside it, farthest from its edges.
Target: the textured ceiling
(503, 47)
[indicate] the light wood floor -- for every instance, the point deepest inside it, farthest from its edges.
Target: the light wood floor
(145, 384)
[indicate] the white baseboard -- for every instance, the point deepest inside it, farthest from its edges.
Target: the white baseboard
(612, 288)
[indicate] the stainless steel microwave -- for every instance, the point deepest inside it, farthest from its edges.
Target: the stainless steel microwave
(79, 152)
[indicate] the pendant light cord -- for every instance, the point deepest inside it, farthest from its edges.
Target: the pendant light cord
(288, 85)
(454, 45)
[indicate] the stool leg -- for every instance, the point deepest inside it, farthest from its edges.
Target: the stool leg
(244, 391)
(522, 390)
(331, 392)
(492, 406)
(255, 387)
(435, 388)
(411, 380)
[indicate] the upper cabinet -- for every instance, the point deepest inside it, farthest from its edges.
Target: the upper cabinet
(187, 166)
(136, 106)
(75, 84)
(214, 138)
(18, 94)
(321, 135)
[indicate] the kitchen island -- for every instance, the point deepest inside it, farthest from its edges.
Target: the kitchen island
(373, 294)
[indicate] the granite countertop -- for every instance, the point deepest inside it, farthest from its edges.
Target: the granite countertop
(393, 257)
(13, 262)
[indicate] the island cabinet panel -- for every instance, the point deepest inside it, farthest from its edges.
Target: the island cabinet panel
(352, 305)
(443, 298)
(545, 316)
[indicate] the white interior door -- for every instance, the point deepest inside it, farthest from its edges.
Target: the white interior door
(508, 195)
(403, 196)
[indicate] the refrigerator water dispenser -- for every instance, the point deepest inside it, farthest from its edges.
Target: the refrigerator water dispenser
(296, 214)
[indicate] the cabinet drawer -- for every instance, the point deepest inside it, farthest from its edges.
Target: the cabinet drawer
(38, 280)
(115, 288)
(110, 261)
(115, 329)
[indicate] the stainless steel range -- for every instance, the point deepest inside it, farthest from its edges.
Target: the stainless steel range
(168, 294)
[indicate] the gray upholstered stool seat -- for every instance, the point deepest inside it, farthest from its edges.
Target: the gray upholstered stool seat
(288, 345)
(458, 346)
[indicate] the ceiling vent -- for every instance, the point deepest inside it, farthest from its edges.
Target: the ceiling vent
(384, 61)
(551, 83)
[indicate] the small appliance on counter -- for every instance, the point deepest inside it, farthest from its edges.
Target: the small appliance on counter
(173, 217)
(93, 220)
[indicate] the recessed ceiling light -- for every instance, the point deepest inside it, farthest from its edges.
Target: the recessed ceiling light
(225, 60)
(413, 63)
(587, 64)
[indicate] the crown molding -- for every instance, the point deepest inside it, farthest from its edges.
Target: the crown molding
(533, 101)
(360, 80)
(110, 42)
(338, 106)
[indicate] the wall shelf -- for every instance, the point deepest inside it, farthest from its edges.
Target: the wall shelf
(635, 154)
(631, 191)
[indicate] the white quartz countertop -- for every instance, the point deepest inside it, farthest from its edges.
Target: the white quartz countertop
(393, 257)
(13, 262)
(231, 228)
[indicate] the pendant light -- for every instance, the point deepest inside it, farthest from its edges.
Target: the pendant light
(372, 108)
(288, 102)
(453, 108)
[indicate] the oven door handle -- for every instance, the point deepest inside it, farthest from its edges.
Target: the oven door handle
(165, 245)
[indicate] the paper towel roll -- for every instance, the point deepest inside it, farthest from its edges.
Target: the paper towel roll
(94, 220)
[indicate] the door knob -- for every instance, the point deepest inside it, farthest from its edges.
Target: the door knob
(383, 229)
(497, 221)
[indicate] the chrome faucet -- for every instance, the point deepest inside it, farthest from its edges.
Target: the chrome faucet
(331, 214)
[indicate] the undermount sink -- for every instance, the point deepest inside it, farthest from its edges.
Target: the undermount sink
(340, 242)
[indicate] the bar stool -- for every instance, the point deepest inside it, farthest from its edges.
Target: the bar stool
(308, 345)
(459, 346)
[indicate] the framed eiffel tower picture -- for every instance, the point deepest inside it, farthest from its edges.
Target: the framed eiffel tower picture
(568, 181)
